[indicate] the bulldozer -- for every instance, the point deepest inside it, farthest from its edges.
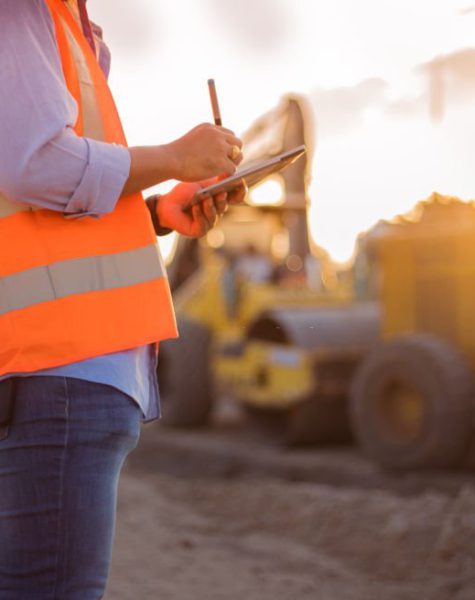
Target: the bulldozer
(382, 353)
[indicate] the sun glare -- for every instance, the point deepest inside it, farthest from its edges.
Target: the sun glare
(365, 67)
(268, 193)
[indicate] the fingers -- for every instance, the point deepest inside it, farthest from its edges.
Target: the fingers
(237, 195)
(196, 220)
(224, 199)
(236, 158)
(230, 137)
(232, 140)
(226, 131)
(205, 215)
(199, 221)
(209, 211)
(227, 163)
(223, 149)
(221, 203)
(229, 166)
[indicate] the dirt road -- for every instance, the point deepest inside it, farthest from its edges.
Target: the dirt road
(262, 538)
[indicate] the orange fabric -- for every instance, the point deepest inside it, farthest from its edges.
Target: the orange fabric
(70, 323)
(69, 67)
(38, 238)
(84, 325)
(113, 127)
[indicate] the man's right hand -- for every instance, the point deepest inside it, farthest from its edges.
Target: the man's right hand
(204, 152)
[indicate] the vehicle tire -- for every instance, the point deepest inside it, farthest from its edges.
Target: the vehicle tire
(411, 403)
(184, 376)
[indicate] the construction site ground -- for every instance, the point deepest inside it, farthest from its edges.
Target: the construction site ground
(223, 514)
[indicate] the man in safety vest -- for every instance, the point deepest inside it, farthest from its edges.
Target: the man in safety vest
(84, 298)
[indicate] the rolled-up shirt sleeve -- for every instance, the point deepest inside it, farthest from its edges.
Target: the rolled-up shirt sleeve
(43, 163)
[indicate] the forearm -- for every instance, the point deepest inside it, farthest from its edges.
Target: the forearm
(149, 166)
(68, 174)
(200, 154)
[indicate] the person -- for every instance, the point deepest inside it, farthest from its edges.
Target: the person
(84, 298)
(253, 266)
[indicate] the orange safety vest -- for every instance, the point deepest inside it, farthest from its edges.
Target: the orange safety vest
(71, 289)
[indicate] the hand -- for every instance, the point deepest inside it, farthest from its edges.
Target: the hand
(198, 220)
(223, 200)
(204, 152)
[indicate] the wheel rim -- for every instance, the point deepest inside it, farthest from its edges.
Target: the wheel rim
(402, 408)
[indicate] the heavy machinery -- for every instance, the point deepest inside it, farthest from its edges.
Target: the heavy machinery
(412, 399)
(395, 366)
(277, 338)
(384, 353)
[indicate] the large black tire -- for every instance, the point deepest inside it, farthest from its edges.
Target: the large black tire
(184, 376)
(411, 404)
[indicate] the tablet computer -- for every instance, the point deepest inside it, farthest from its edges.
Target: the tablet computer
(251, 174)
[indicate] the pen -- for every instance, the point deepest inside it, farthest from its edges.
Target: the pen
(214, 102)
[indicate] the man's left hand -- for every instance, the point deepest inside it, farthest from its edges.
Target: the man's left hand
(201, 217)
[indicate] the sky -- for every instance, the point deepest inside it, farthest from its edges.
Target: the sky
(391, 84)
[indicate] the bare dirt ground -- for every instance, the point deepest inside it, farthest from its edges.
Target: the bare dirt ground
(192, 528)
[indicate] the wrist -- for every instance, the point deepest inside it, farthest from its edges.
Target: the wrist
(153, 203)
(169, 154)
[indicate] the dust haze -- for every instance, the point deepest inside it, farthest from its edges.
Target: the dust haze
(264, 26)
(130, 29)
(442, 83)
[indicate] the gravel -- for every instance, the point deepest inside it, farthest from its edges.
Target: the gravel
(262, 538)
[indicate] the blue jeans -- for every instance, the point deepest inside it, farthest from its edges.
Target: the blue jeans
(59, 470)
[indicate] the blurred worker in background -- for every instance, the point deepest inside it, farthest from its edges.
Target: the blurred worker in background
(84, 299)
(254, 266)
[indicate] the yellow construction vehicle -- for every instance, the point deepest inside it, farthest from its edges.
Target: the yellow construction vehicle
(384, 353)
(412, 399)
(264, 318)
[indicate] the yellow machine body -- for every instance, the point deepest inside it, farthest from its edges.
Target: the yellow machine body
(427, 272)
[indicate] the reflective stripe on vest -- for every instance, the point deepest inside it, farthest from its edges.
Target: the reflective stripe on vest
(74, 289)
(61, 279)
(91, 124)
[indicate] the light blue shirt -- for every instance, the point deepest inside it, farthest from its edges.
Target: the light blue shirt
(132, 372)
(43, 163)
